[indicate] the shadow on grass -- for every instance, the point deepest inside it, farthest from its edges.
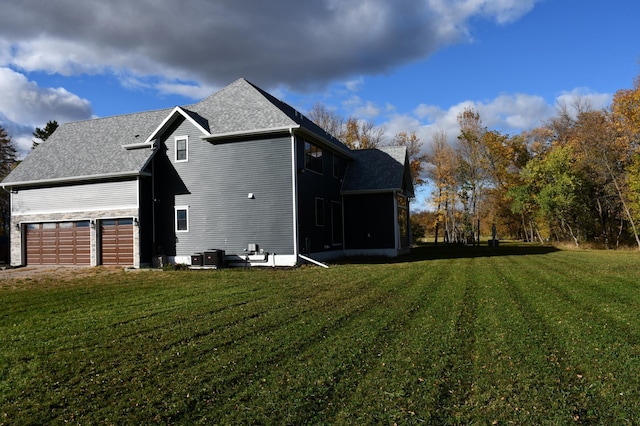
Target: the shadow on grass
(454, 251)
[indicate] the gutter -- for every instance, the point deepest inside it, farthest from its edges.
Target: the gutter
(71, 179)
(243, 133)
(290, 129)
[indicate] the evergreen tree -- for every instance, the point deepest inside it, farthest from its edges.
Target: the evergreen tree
(43, 134)
(7, 162)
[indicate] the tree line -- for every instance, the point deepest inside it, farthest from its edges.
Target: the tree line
(574, 179)
(8, 161)
(365, 134)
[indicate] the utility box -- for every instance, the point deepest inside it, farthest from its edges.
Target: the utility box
(197, 259)
(214, 258)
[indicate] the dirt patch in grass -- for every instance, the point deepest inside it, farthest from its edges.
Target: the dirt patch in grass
(31, 274)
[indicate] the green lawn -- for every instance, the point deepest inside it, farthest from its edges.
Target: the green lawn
(514, 335)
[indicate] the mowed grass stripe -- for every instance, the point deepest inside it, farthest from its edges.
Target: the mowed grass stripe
(318, 383)
(469, 337)
(402, 384)
(584, 347)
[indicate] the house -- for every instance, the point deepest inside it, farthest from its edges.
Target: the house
(239, 173)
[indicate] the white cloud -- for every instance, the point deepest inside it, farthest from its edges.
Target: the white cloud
(24, 106)
(354, 85)
(186, 90)
(508, 113)
(25, 102)
(190, 48)
(583, 96)
(212, 43)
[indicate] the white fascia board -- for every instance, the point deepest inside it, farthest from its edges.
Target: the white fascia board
(169, 120)
(139, 145)
(72, 179)
(67, 211)
(241, 133)
(294, 195)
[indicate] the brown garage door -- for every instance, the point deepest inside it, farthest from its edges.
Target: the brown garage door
(117, 241)
(61, 243)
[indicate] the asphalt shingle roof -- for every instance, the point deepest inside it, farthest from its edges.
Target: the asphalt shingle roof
(96, 148)
(90, 148)
(378, 170)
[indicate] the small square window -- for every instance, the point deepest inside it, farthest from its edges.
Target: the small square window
(182, 148)
(182, 219)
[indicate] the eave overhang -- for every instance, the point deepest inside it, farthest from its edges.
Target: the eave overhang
(169, 120)
(213, 138)
(74, 179)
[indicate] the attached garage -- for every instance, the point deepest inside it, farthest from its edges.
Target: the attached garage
(116, 236)
(58, 243)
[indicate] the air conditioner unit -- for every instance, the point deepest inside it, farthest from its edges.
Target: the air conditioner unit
(214, 258)
(197, 259)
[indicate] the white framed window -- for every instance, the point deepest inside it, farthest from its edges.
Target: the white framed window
(182, 148)
(182, 218)
(319, 212)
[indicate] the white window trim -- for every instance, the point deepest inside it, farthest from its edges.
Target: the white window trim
(176, 209)
(175, 156)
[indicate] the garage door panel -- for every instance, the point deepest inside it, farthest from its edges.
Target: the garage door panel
(63, 243)
(117, 242)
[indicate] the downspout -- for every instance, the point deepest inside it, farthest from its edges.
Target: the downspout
(294, 184)
(409, 230)
(344, 233)
(153, 205)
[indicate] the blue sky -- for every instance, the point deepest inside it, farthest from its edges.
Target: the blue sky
(408, 65)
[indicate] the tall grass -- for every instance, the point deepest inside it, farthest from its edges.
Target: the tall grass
(519, 334)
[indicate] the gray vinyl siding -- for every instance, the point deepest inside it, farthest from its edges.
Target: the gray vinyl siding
(86, 197)
(215, 184)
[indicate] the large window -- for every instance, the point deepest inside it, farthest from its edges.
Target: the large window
(182, 219)
(312, 157)
(182, 148)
